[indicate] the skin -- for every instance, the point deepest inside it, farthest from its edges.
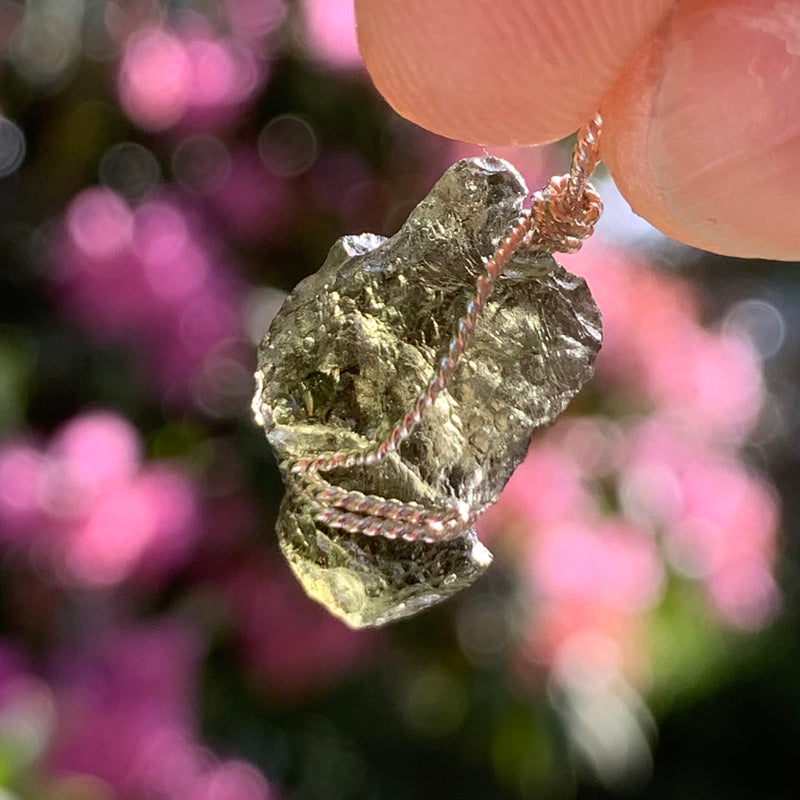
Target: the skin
(700, 98)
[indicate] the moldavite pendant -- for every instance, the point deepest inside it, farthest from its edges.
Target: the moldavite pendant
(399, 398)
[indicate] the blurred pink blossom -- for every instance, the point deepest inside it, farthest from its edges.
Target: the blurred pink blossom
(87, 508)
(597, 632)
(711, 494)
(186, 75)
(608, 564)
(13, 666)
(604, 507)
(330, 33)
(744, 593)
(94, 451)
(22, 475)
(232, 780)
(252, 203)
(292, 647)
(655, 349)
(591, 582)
(559, 494)
(126, 715)
(155, 77)
(151, 278)
(254, 18)
(719, 522)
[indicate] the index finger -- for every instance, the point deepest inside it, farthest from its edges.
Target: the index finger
(502, 72)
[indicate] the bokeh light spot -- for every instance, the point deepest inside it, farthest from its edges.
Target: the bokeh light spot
(47, 42)
(434, 703)
(100, 222)
(612, 564)
(27, 719)
(98, 449)
(233, 780)
(160, 233)
(330, 33)
(178, 277)
(214, 73)
(288, 145)
(650, 493)
(21, 470)
(130, 169)
(12, 147)
(222, 386)
(105, 547)
(201, 163)
(255, 17)
(760, 322)
(745, 594)
(485, 628)
(223, 72)
(155, 78)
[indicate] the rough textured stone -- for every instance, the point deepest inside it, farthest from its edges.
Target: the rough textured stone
(354, 344)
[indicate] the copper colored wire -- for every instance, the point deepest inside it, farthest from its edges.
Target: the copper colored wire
(562, 215)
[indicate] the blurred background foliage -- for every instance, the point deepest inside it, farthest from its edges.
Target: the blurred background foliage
(168, 171)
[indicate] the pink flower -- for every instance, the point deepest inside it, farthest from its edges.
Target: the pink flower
(730, 513)
(100, 223)
(605, 505)
(254, 18)
(719, 523)
(155, 78)
(185, 75)
(544, 489)
(252, 203)
(22, 476)
(655, 349)
(598, 634)
(330, 30)
(232, 780)
(608, 564)
(155, 282)
(94, 451)
(144, 527)
(120, 693)
(715, 378)
(744, 593)
(292, 646)
(88, 509)
(126, 715)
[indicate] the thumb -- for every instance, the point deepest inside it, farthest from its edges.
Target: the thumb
(702, 132)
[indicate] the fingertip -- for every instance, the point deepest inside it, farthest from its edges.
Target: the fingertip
(504, 72)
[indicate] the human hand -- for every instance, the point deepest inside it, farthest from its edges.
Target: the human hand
(700, 98)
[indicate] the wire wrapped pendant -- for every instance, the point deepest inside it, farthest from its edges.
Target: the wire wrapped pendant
(400, 384)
